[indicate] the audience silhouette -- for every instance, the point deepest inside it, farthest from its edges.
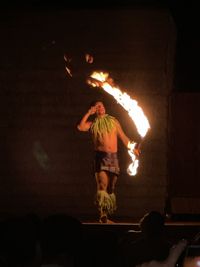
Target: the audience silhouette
(19, 239)
(61, 238)
(150, 244)
(58, 240)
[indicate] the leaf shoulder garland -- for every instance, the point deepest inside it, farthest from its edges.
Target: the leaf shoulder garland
(103, 125)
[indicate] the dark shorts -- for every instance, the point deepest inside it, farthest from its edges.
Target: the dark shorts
(106, 162)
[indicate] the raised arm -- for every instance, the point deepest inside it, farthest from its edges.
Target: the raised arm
(84, 124)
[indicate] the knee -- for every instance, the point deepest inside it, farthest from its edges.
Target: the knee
(101, 186)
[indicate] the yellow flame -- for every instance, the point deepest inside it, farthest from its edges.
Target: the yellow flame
(132, 168)
(130, 105)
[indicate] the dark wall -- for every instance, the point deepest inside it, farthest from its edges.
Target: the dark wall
(184, 181)
(46, 163)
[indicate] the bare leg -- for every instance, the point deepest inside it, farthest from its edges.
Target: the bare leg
(102, 180)
(111, 184)
(111, 190)
(106, 200)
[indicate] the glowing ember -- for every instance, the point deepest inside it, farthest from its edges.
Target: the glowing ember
(67, 63)
(68, 71)
(89, 58)
(136, 113)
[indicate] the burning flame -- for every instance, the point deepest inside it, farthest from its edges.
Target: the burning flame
(136, 113)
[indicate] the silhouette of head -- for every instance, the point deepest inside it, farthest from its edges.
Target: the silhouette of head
(152, 223)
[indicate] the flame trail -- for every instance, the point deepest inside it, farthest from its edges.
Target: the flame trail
(136, 113)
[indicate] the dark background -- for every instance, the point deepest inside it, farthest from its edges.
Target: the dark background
(185, 15)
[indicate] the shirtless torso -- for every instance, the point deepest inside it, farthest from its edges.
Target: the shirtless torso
(108, 142)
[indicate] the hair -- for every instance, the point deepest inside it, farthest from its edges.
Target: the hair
(93, 103)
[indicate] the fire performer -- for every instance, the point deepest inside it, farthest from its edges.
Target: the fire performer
(105, 130)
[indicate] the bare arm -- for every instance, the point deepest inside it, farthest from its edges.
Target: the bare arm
(84, 124)
(122, 135)
(126, 141)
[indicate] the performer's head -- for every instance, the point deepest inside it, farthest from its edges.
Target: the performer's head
(100, 108)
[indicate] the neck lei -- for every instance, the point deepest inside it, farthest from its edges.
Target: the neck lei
(102, 125)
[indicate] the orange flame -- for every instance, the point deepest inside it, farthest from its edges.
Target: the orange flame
(136, 113)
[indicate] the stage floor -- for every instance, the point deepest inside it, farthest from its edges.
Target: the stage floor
(175, 230)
